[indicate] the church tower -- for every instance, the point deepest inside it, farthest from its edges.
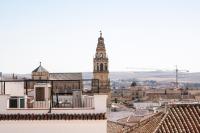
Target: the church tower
(100, 63)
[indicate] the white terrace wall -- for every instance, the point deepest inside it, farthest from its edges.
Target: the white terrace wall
(100, 103)
(54, 126)
(3, 103)
(99, 107)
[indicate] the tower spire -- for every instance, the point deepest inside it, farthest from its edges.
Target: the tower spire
(100, 67)
(100, 33)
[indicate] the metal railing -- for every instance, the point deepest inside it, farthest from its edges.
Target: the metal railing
(73, 102)
(58, 102)
(61, 85)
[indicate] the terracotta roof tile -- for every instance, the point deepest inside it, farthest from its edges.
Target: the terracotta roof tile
(99, 116)
(179, 118)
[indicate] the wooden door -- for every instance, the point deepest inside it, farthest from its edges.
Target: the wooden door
(40, 94)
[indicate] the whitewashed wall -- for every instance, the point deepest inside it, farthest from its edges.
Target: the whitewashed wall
(54, 126)
(1, 87)
(3, 103)
(100, 103)
(145, 105)
(14, 88)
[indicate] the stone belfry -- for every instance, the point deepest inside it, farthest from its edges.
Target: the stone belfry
(100, 63)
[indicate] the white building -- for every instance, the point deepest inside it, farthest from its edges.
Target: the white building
(85, 113)
(146, 105)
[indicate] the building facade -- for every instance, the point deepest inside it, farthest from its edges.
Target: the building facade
(64, 83)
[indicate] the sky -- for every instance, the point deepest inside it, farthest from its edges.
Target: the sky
(62, 34)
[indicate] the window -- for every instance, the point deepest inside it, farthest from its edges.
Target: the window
(22, 103)
(13, 103)
(101, 67)
(16, 102)
(101, 55)
(97, 66)
(106, 67)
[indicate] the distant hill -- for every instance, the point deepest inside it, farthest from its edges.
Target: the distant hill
(160, 76)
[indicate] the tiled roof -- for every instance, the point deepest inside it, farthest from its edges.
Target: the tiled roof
(179, 118)
(65, 76)
(99, 116)
(183, 118)
(40, 69)
(130, 119)
(115, 127)
(148, 125)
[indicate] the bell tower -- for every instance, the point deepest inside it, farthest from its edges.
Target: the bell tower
(100, 63)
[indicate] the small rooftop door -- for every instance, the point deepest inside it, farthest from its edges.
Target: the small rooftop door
(40, 94)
